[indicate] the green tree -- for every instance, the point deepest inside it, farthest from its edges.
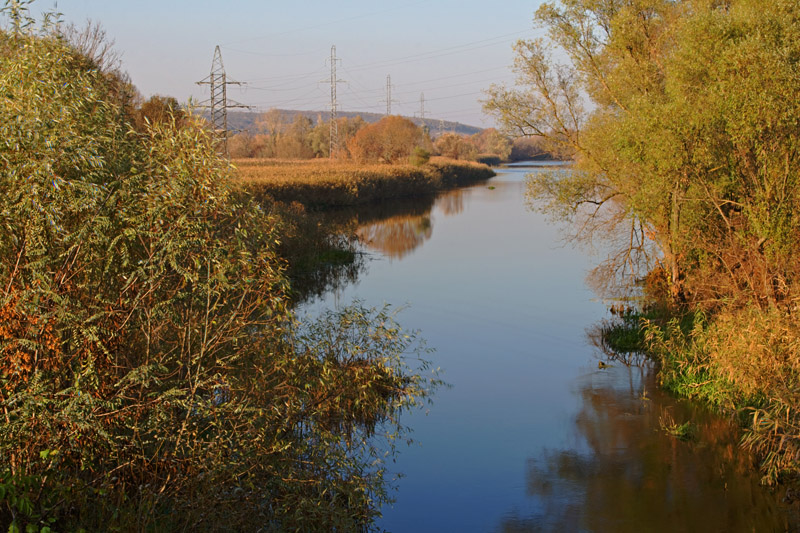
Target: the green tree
(689, 143)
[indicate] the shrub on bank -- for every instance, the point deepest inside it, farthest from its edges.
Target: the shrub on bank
(151, 376)
(745, 362)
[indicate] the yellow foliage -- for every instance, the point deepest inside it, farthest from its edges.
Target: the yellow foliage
(326, 182)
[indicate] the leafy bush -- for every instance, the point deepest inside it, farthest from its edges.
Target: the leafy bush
(419, 157)
(151, 375)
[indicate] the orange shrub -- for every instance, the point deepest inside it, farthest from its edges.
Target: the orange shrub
(390, 140)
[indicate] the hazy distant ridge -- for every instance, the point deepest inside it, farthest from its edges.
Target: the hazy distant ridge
(245, 120)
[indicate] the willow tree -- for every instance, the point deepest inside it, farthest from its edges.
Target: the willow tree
(151, 375)
(682, 117)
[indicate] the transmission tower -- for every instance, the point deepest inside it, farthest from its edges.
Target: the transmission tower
(334, 142)
(422, 113)
(388, 95)
(218, 103)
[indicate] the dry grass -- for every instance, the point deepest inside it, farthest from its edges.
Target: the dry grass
(758, 351)
(335, 183)
(746, 361)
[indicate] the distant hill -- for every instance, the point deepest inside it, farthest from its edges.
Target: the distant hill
(245, 121)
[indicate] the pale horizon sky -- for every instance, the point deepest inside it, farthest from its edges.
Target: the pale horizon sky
(450, 50)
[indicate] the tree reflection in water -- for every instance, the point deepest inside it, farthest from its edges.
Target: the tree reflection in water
(398, 235)
(617, 478)
(395, 229)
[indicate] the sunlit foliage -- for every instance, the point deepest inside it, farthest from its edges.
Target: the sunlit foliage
(688, 156)
(151, 376)
(390, 140)
(337, 183)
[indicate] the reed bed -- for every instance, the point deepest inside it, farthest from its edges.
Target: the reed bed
(324, 183)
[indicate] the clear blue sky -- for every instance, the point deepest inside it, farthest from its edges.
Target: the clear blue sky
(449, 49)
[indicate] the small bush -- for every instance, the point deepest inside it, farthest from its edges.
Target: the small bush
(419, 157)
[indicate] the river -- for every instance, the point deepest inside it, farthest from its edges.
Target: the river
(533, 435)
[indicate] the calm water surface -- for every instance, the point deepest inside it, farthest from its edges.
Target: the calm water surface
(533, 436)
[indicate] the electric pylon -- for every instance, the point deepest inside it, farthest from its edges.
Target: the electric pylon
(218, 103)
(334, 141)
(422, 112)
(388, 95)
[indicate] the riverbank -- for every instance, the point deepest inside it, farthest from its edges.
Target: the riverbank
(742, 362)
(324, 183)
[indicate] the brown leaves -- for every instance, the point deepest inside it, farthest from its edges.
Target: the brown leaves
(26, 342)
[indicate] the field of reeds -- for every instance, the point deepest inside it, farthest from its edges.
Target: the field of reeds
(325, 183)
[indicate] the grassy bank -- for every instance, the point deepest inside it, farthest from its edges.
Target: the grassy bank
(323, 183)
(744, 362)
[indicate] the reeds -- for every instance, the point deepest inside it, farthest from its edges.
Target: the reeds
(746, 362)
(324, 183)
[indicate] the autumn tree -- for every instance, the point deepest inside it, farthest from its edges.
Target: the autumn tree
(295, 142)
(530, 148)
(271, 124)
(390, 140)
(492, 142)
(690, 142)
(158, 109)
(455, 146)
(320, 136)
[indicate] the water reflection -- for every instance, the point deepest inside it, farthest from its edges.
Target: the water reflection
(627, 473)
(397, 236)
(400, 234)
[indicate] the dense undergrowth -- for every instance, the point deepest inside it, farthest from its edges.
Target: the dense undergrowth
(745, 363)
(152, 377)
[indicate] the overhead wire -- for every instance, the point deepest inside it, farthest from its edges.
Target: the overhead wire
(363, 94)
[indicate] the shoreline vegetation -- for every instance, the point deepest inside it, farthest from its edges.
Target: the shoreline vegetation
(688, 168)
(320, 250)
(330, 184)
(152, 374)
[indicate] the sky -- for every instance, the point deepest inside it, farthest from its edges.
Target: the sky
(448, 50)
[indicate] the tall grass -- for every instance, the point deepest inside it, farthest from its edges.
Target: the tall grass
(745, 362)
(323, 183)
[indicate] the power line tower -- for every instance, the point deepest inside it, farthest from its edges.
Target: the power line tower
(218, 103)
(422, 112)
(334, 141)
(388, 95)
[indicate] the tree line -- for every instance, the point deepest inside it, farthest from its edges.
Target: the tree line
(391, 139)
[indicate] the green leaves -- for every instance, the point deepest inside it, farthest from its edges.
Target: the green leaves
(150, 370)
(693, 132)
